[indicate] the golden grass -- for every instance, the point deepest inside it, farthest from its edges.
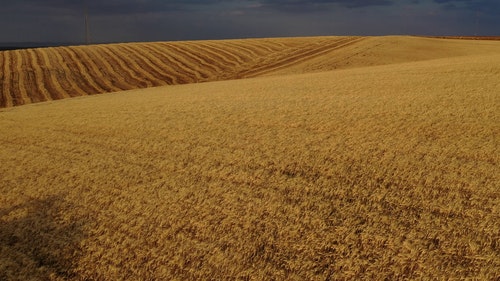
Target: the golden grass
(386, 172)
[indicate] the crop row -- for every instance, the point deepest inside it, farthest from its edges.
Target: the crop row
(36, 75)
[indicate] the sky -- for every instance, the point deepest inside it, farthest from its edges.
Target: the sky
(169, 20)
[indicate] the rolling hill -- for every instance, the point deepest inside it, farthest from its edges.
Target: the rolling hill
(43, 74)
(376, 160)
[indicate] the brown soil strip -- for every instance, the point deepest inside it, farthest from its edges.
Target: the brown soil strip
(86, 57)
(299, 57)
(43, 92)
(6, 94)
(160, 57)
(195, 61)
(132, 76)
(80, 72)
(143, 61)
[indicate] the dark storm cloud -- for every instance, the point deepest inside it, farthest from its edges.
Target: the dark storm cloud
(470, 2)
(152, 20)
(107, 6)
(308, 4)
(123, 7)
(486, 6)
(157, 6)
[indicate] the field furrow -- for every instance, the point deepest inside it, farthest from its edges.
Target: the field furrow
(21, 95)
(40, 91)
(183, 66)
(223, 56)
(81, 73)
(110, 71)
(164, 63)
(166, 66)
(194, 61)
(30, 93)
(264, 47)
(65, 76)
(127, 74)
(53, 84)
(241, 52)
(55, 73)
(218, 65)
(7, 92)
(169, 63)
(298, 56)
(84, 57)
(145, 62)
(254, 49)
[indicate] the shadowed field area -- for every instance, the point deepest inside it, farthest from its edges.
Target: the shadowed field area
(370, 163)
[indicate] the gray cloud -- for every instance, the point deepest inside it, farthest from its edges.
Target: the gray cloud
(105, 7)
(145, 6)
(346, 3)
(487, 6)
(151, 20)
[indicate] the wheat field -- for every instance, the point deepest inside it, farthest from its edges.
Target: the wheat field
(36, 75)
(375, 160)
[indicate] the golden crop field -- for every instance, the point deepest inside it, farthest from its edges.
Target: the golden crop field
(44, 74)
(378, 160)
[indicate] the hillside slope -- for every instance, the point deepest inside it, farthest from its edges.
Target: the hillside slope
(384, 50)
(375, 173)
(35, 75)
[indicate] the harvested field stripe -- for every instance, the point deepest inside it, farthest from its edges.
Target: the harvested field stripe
(254, 50)
(111, 72)
(194, 61)
(21, 95)
(28, 77)
(129, 74)
(44, 94)
(163, 54)
(94, 61)
(164, 71)
(70, 87)
(42, 79)
(182, 63)
(226, 58)
(58, 74)
(209, 58)
(238, 51)
(280, 45)
(6, 95)
(300, 56)
(116, 70)
(55, 92)
(140, 61)
(162, 58)
(273, 45)
(94, 70)
(182, 68)
(83, 77)
(261, 47)
(143, 62)
(33, 82)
